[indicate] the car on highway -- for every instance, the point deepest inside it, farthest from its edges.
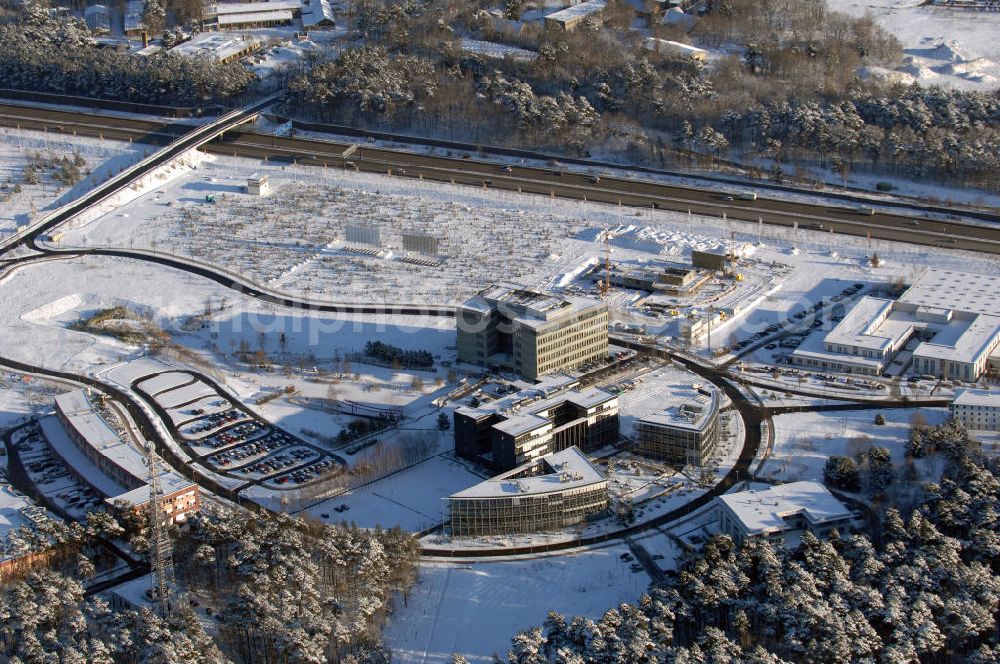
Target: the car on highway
(913, 222)
(596, 179)
(487, 183)
(728, 198)
(506, 169)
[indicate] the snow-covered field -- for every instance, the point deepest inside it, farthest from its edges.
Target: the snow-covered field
(942, 46)
(804, 441)
(20, 201)
(475, 608)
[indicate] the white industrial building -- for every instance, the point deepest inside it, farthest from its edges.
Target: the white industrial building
(782, 513)
(668, 47)
(955, 317)
(571, 17)
(978, 410)
(245, 15)
(258, 185)
(219, 46)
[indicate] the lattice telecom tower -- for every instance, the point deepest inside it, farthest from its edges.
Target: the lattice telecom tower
(161, 556)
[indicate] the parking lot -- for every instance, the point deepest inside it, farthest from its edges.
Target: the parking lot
(797, 322)
(51, 477)
(232, 441)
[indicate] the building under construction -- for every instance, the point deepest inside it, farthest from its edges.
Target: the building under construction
(656, 277)
(548, 493)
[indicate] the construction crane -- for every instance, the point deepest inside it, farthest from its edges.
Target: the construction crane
(161, 557)
(603, 287)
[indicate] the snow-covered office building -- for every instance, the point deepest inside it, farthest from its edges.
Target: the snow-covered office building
(548, 493)
(782, 512)
(531, 332)
(98, 456)
(686, 431)
(519, 428)
(954, 315)
(977, 409)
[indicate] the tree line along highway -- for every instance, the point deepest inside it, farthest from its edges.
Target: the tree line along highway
(548, 181)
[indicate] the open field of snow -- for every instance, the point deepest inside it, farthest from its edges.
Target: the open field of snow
(942, 45)
(804, 441)
(475, 608)
(20, 200)
(410, 499)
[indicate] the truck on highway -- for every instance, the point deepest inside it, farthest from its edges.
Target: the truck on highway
(866, 211)
(747, 196)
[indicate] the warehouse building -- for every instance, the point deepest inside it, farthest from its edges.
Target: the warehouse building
(530, 332)
(573, 16)
(955, 317)
(515, 429)
(668, 47)
(248, 15)
(98, 456)
(976, 409)
(219, 46)
(782, 513)
(686, 432)
(552, 492)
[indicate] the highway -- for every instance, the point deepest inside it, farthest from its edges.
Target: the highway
(833, 218)
(190, 137)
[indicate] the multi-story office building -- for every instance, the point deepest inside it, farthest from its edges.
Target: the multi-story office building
(530, 332)
(524, 426)
(551, 492)
(781, 513)
(977, 409)
(686, 431)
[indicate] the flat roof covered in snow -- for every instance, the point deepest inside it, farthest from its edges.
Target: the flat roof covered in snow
(953, 289)
(962, 340)
(254, 17)
(980, 398)
(766, 511)
(258, 7)
(529, 307)
(685, 407)
(568, 469)
(218, 45)
(861, 326)
(576, 12)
